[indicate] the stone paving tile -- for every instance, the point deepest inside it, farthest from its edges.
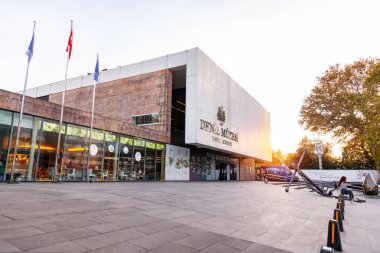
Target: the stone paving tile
(122, 247)
(190, 230)
(127, 222)
(106, 239)
(106, 227)
(100, 207)
(119, 218)
(276, 237)
(37, 241)
(200, 240)
(235, 243)
(31, 215)
(4, 219)
(172, 248)
(156, 240)
(375, 240)
(356, 239)
(300, 223)
(66, 224)
(301, 248)
(24, 222)
(170, 215)
(120, 211)
(227, 227)
(358, 249)
(61, 247)
(254, 229)
(217, 248)
(12, 233)
(7, 247)
(259, 248)
(198, 217)
(157, 227)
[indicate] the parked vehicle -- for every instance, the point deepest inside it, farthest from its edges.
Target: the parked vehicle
(277, 173)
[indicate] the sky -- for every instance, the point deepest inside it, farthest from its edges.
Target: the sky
(275, 49)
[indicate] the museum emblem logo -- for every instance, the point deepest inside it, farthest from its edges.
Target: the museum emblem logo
(221, 115)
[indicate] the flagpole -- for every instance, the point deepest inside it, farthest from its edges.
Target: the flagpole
(61, 119)
(21, 113)
(96, 81)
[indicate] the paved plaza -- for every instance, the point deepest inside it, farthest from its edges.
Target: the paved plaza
(177, 217)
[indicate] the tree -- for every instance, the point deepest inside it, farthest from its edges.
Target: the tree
(277, 157)
(372, 111)
(310, 160)
(346, 103)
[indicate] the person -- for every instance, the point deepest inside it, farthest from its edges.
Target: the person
(342, 186)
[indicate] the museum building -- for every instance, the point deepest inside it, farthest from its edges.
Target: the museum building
(176, 117)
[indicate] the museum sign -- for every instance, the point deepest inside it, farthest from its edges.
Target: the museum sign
(219, 130)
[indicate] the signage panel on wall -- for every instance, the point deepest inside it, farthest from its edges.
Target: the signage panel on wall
(177, 163)
(334, 175)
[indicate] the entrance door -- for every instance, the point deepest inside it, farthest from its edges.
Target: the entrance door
(223, 171)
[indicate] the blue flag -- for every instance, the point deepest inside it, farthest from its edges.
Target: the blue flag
(29, 52)
(96, 74)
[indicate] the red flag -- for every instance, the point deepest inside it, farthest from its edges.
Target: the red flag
(70, 43)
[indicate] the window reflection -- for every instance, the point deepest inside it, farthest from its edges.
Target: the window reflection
(111, 151)
(125, 163)
(75, 153)
(47, 143)
(138, 172)
(5, 130)
(150, 161)
(23, 149)
(96, 155)
(115, 157)
(159, 161)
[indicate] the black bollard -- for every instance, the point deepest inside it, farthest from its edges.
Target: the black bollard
(341, 200)
(338, 217)
(333, 236)
(340, 207)
(325, 249)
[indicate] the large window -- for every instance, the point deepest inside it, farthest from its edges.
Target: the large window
(125, 161)
(138, 159)
(23, 149)
(96, 155)
(5, 130)
(75, 154)
(150, 161)
(160, 165)
(145, 119)
(111, 152)
(111, 156)
(47, 144)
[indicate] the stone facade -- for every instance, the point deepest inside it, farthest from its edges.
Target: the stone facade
(247, 169)
(116, 102)
(123, 98)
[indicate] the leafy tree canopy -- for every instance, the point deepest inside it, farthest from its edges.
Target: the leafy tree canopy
(346, 103)
(310, 160)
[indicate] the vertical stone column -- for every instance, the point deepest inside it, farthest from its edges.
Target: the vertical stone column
(32, 149)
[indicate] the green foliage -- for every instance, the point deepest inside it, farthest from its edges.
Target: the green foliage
(277, 157)
(310, 160)
(346, 103)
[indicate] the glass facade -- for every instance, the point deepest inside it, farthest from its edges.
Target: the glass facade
(112, 156)
(207, 166)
